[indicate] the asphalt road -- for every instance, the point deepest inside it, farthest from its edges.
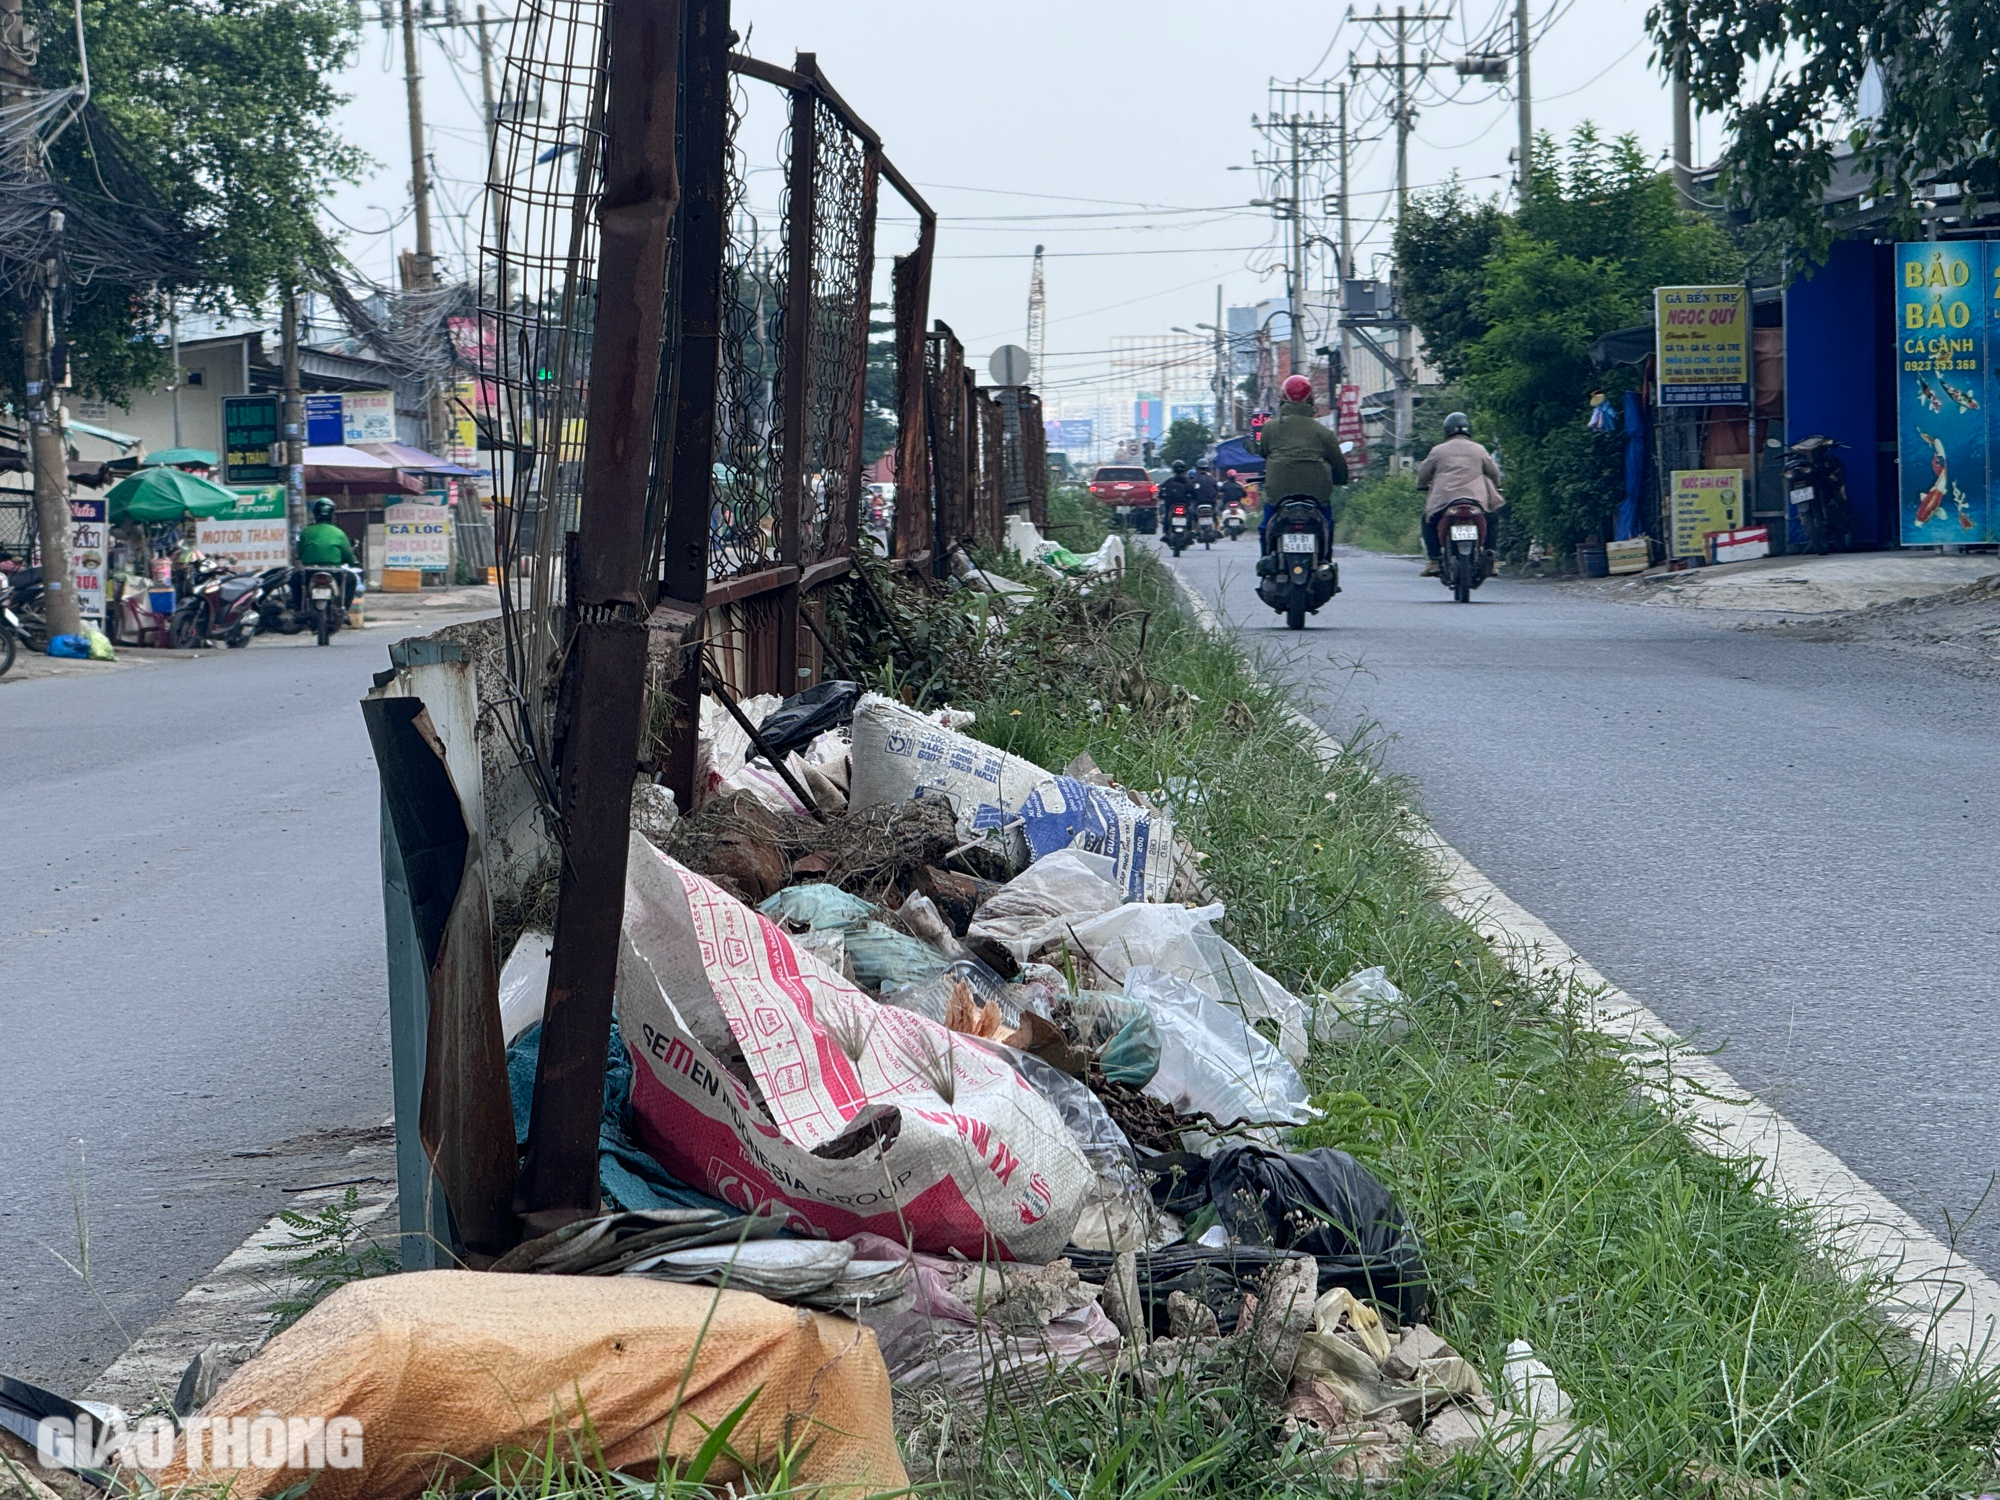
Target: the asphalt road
(1780, 846)
(195, 1014)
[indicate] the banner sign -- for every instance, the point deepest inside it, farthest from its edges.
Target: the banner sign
(1703, 343)
(1702, 501)
(417, 536)
(250, 440)
(1070, 433)
(89, 554)
(368, 417)
(1943, 441)
(254, 535)
(1148, 413)
(325, 425)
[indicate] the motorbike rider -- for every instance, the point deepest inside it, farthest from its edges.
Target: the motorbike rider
(1301, 457)
(1206, 490)
(1456, 469)
(1231, 489)
(325, 545)
(1178, 490)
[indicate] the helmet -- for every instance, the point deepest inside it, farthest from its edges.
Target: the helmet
(1180, 466)
(322, 512)
(1458, 424)
(1298, 388)
(1232, 473)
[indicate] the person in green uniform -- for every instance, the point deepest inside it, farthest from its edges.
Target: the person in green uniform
(323, 544)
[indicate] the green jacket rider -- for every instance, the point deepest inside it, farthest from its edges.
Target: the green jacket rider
(323, 544)
(1301, 456)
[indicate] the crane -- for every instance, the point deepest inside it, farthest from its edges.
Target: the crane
(1038, 320)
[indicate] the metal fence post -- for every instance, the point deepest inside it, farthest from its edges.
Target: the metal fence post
(864, 291)
(684, 542)
(608, 646)
(914, 441)
(801, 213)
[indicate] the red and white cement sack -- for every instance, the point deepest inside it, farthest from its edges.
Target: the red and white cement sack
(764, 1078)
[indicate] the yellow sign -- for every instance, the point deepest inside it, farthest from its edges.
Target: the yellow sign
(1703, 343)
(1701, 501)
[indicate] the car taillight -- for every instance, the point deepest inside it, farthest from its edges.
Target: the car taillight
(1152, 491)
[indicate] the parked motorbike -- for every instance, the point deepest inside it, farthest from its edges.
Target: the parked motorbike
(1179, 528)
(1464, 559)
(24, 587)
(1297, 573)
(220, 605)
(1232, 522)
(1817, 484)
(1204, 525)
(10, 626)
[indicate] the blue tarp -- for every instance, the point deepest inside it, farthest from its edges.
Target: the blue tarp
(1234, 453)
(1635, 469)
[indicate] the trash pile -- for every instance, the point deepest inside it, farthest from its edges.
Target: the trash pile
(915, 1034)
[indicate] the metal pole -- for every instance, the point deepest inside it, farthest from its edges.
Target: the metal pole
(703, 230)
(1346, 241)
(803, 210)
(1297, 311)
(174, 353)
(1524, 96)
(1222, 423)
(1683, 130)
(914, 479)
(484, 32)
(294, 422)
(1404, 344)
(436, 419)
(605, 691)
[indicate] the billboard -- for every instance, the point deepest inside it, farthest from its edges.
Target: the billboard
(417, 535)
(89, 552)
(253, 534)
(1943, 439)
(1071, 434)
(325, 427)
(1197, 414)
(368, 417)
(1149, 418)
(1702, 339)
(250, 440)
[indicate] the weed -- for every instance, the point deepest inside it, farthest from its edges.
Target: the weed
(326, 1249)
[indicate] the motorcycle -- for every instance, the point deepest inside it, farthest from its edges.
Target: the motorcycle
(1297, 573)
(221, 605)
(1816, 482)
(25, 600)
(1232, 522)
(323, 599)
(11, 634)
(1178, 534)
(288, 601)
(1464, 559)
(1204, 525)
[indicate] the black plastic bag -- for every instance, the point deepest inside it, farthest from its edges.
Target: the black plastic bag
(1323, 1202)
(1217, 1278)
(803, 717)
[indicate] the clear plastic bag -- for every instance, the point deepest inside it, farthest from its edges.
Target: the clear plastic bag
(1179, 940)
(1361, 1003)
(1103, 1143)
(1211, 1060)
(1036, 907)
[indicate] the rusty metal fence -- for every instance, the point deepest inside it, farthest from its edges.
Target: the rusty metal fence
(755, 503)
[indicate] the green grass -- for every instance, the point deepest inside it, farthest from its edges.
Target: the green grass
(1383, 514)
(1692, 1317)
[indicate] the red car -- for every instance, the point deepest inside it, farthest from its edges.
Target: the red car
(1130, 493)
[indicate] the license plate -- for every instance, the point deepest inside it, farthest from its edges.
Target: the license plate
(1180, 523)
(1802, 494)
(1299, 541)
(1465, 533)
(322, 594)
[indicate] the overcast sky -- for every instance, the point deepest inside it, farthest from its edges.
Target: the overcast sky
(1104, 132)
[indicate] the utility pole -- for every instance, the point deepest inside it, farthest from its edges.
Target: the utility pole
(1346, 245)
(46, 451)
(1523, 96)
(1222, 412)
(482, 29)
(1404, 113)
(294, 424)
(1298, 278)
(1683, 131)
(436, 418)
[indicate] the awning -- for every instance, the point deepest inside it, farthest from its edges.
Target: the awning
(1625, 346)
(340, 470)
(124, 440)
(173, 458)
(403, 456)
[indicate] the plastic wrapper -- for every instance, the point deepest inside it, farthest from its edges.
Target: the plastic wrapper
(1211, 1061)
(883, 958)
(1037, 906)
(818, 906)
(1104, 1144)
(900, 754)
(931, 997)
(524, 984)
(1180, 941)
(803, 717)
(1361, 1003)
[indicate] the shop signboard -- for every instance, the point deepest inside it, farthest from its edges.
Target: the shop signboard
(368, 417)
(89, 554)
(325, 425)
(1703, 345)
(254, 535)
(463, 449)
(250, 440)
(1943, 439)
(418, 535)
(1701, 502)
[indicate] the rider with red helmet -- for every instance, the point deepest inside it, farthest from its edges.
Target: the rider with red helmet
(1301, 457)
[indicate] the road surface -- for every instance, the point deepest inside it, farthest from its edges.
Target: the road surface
(1781, 846)
(196, 1013)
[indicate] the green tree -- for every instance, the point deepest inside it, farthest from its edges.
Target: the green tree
(1787, 77)
(1443, 244)
(1186, 440)
(222, 111)
(1601, 230)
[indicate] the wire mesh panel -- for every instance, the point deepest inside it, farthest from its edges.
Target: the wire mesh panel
(743, 509)
(990, 506)
(945, 369)
(538, 260)
(836, 351)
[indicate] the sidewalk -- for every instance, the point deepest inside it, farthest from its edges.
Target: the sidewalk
(470, 599)
(1807, 585)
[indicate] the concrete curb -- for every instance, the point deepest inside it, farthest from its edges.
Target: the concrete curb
(1924, 1286)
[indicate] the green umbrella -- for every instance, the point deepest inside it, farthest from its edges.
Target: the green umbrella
(169, 457)
(167, 495)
